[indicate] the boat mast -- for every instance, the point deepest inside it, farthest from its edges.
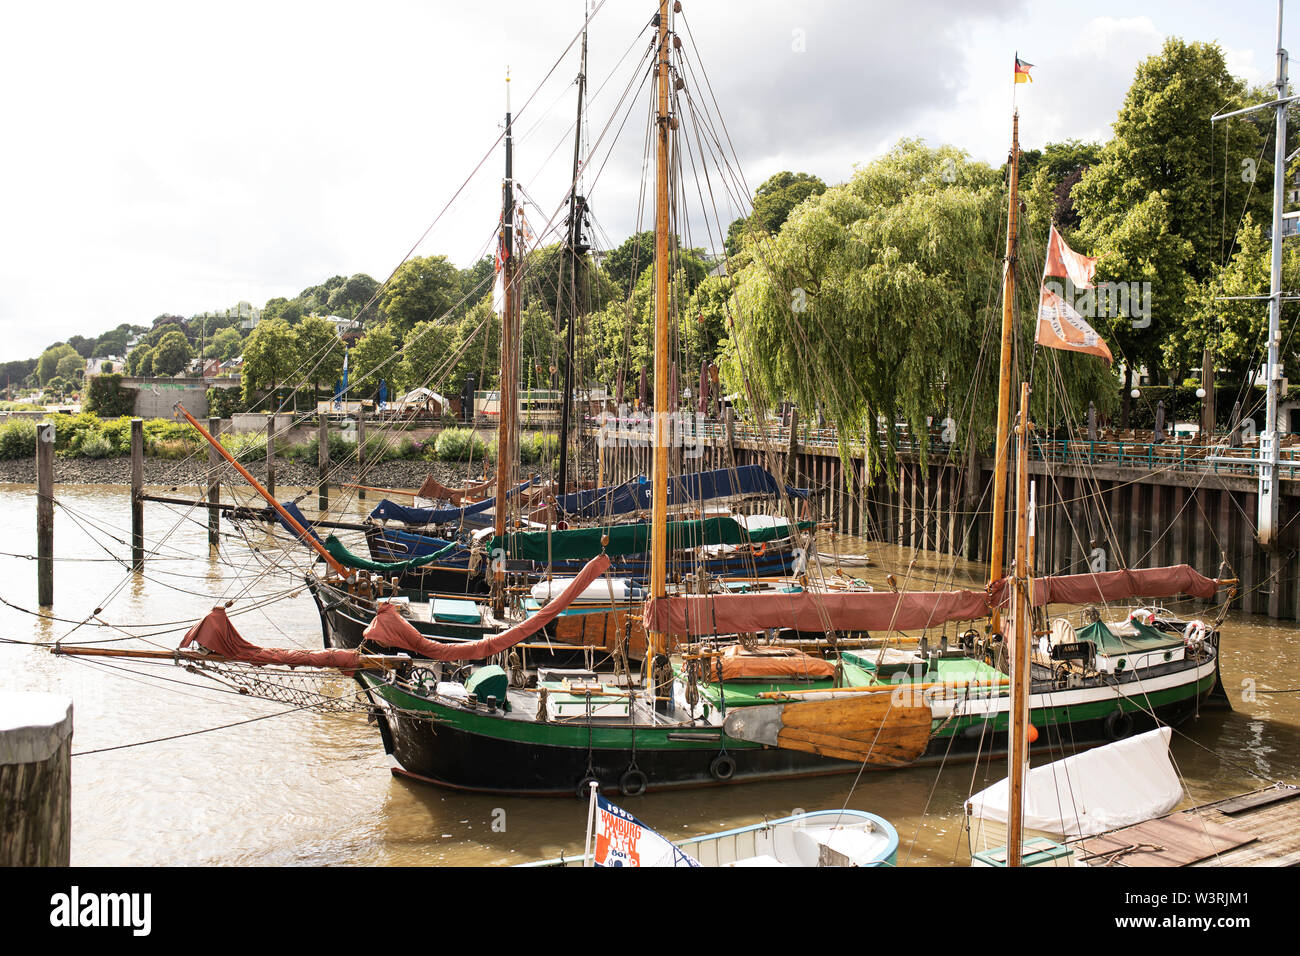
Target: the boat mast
(659, 490)
(1022, 631)
(507, 401)
(1002, 450)
(577, 207)
(1268, 458)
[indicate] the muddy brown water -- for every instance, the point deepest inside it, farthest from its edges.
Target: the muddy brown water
(309, 788)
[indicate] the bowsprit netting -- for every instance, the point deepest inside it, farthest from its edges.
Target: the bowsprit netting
(309, 689)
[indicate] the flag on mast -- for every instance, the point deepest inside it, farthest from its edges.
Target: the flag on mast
(1060, 326)
(623, 840)
(1022, 71)
(1064, 261)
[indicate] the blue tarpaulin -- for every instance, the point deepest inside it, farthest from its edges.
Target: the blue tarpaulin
(391, 511)
(634, 495)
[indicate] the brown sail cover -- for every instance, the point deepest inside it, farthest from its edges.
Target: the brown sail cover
(805, 611)
(913, 610)
(436, 491)
(1115, 586)
(218, 635)
(392, 630)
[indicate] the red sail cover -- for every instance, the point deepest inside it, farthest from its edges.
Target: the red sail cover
(914, 610)
(1115, 586)
(392, 630)
(805, 611)
(218, 635)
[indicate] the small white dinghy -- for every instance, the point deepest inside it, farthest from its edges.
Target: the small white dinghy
(816, 838)
(1092, 792)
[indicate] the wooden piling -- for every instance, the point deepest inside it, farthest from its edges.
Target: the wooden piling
(35, 779)
(45, 513)
(323, 460)
(361, 454)
(214, 487)
(270, 454)
(137, 494)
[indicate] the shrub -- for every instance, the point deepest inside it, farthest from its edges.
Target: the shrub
(459, 444)
(105, 396)
(245, 446)
(18, 439)
(539, 447)
(96, 445)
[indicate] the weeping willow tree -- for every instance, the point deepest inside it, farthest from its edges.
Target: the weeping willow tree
(880, 300)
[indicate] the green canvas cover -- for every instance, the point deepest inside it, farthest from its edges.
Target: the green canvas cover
(1107, 642)
(349, 560)
(582, 544)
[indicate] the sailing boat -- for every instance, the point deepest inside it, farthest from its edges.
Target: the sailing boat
(734, 709)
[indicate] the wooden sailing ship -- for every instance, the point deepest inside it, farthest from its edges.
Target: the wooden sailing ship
(763, 688)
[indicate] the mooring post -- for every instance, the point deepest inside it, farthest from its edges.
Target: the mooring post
(793, 449)
(137, 494)
(45, 513)
(323, 459)
(35, 779)
(214, 486)
(270, 454)
(361, 453)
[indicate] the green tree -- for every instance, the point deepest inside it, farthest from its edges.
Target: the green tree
(47, 365)
(320, 353)
(773, 203)
(874, 301)
(71, 368)
(374, 359)
(424, 288)
(172, 353)
(428, 356)
(1152, 206)
(270, 357)
(349, 297)
(225, 345)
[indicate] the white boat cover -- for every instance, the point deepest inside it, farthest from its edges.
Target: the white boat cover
(1112, 786)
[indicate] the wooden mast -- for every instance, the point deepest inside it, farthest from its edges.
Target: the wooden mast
(507, 401)
(655, 640)
(577, 207)
(1022, 637)
(1002, 450)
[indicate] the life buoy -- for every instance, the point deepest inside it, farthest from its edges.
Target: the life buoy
(1195, 632)
(757, 550)
(1119, 725)
(723, 767)
(1142, 615)
(633, 783)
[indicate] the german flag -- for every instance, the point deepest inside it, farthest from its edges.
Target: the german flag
(1022, 71)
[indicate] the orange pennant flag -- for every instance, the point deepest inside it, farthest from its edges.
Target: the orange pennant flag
(1061, 327)
(1064, 261)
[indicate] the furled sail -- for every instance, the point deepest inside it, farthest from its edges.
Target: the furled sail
(910, 610)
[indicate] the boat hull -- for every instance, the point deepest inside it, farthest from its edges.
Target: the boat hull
(452, 747)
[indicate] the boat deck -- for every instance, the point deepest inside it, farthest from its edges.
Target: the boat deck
(1259, 828)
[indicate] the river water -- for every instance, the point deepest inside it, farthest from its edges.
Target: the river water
(309, 788)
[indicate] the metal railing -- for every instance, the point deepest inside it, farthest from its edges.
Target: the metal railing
(1151, 456)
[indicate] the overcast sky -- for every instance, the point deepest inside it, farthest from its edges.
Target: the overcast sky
(177, 157)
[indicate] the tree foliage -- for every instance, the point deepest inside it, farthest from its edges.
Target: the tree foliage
(876, 300)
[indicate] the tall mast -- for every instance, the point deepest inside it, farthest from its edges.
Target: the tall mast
(1022, 637)
(1268, 496)
(659, 493)
(997, 559)
(508, 401)
(577, 206)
